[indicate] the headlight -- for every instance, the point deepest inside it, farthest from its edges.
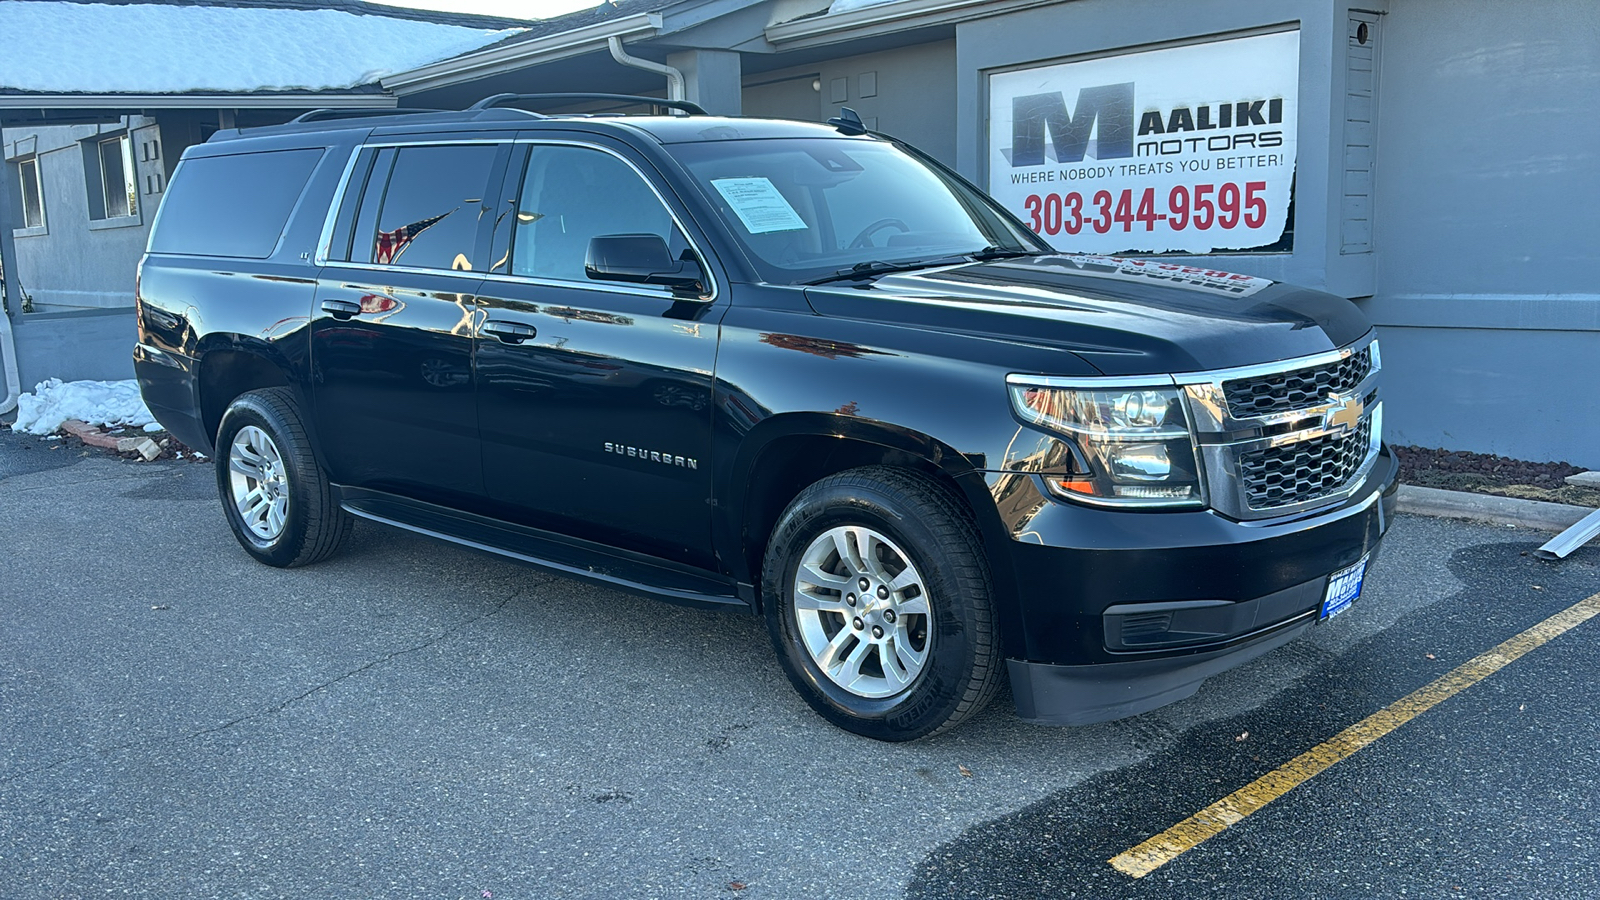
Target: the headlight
(1135, 442)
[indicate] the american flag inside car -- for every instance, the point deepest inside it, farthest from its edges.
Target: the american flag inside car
(391, 244)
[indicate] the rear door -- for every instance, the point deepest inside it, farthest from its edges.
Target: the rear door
(595, 397)
(394, 320)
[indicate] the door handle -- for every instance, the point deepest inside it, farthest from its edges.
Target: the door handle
(509, 332)
(341, 309)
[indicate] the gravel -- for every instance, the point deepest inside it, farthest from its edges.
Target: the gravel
(1487, 473)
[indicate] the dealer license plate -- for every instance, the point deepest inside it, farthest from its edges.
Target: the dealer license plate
(1344, 586)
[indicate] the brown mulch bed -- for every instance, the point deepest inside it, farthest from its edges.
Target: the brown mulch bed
(1486, 473)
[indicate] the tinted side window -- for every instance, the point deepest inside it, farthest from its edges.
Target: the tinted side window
(232, 205)
(571, 194)
(430, 211)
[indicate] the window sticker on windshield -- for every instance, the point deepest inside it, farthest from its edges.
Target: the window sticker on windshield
(758, 204)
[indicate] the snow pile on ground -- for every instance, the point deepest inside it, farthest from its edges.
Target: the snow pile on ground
(96, 402)
(60, 46)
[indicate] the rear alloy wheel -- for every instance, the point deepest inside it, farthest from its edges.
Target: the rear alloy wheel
(259, 486)
(878, 601)
(277, 499)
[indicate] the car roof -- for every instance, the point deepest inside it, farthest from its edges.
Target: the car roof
(665, 129)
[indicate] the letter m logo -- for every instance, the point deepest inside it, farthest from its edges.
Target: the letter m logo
(1110, 104)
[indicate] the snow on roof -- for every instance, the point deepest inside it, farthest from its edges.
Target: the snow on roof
(159, 48)
(844, 6)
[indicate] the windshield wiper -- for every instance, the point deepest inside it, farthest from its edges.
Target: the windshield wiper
(874, 268)
(993, 252)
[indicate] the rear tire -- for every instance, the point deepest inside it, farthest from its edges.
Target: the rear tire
(277, 500)
(914, 652)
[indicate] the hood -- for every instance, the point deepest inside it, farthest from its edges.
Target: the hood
(1122, 316)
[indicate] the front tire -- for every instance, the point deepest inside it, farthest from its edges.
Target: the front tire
(277, 500)
(879, 604)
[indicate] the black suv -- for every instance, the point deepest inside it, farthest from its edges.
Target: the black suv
(800, 370)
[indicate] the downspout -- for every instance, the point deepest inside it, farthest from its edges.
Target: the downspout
(9, 288)
(674, 77)
(8, 350)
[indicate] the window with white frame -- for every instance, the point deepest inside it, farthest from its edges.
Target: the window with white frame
(118, 176)
(32, 193)
(111, 178)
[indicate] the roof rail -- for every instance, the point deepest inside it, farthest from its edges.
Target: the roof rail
(317, 115)
(693, 109)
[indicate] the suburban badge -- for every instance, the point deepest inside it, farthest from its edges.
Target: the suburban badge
(655, 456)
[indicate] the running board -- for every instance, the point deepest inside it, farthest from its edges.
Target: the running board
(562, 555)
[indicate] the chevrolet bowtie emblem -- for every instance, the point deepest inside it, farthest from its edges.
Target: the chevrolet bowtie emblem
(1344, 414)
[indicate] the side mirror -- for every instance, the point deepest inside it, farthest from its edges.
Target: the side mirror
(642, 259)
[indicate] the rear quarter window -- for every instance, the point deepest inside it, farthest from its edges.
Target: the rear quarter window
(232, 205)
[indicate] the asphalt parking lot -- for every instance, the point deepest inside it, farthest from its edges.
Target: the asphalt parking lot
(412, 719)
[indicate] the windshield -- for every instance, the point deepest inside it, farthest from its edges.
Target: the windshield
(809, 208)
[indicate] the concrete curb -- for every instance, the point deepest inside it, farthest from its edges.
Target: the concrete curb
(1489, 508)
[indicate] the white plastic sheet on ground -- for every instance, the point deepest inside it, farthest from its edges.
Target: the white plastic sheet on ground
(96, 402)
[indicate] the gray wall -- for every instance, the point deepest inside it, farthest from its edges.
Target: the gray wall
(78, 263)
(93, 345)
(1487, 234)
(80, 272)
(784, 95)
(913, 93)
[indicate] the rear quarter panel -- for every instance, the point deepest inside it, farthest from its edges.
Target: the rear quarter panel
(191, 305)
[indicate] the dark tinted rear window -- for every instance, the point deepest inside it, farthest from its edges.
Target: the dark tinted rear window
(232, 205)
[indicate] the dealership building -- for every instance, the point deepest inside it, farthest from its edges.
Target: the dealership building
(1435, 161)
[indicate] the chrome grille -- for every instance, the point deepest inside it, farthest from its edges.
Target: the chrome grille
(1297, 388)
(1304, 471)
(1284, 438)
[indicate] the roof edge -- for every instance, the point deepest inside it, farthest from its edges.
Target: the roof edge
(522, 54)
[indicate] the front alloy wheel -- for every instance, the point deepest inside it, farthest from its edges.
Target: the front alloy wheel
(877, 597)
(862, 611)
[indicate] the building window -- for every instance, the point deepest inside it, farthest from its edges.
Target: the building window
(111, 179)
(118, 178)
(32, 194)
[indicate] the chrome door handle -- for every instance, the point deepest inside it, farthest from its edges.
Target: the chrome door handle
(341, 309)
(509, 332)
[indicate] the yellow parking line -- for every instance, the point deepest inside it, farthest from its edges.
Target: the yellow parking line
(1214, 819)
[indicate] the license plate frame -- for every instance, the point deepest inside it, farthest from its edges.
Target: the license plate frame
(1344, 589)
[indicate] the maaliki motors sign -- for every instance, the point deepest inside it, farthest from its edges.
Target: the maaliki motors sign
(1186, 149)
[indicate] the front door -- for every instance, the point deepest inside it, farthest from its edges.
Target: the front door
(594, 398)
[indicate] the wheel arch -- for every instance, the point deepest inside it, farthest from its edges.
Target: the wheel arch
(786, 453)
(229, 365)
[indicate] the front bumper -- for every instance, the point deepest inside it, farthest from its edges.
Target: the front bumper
(1082, 695)
(1119, 612)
